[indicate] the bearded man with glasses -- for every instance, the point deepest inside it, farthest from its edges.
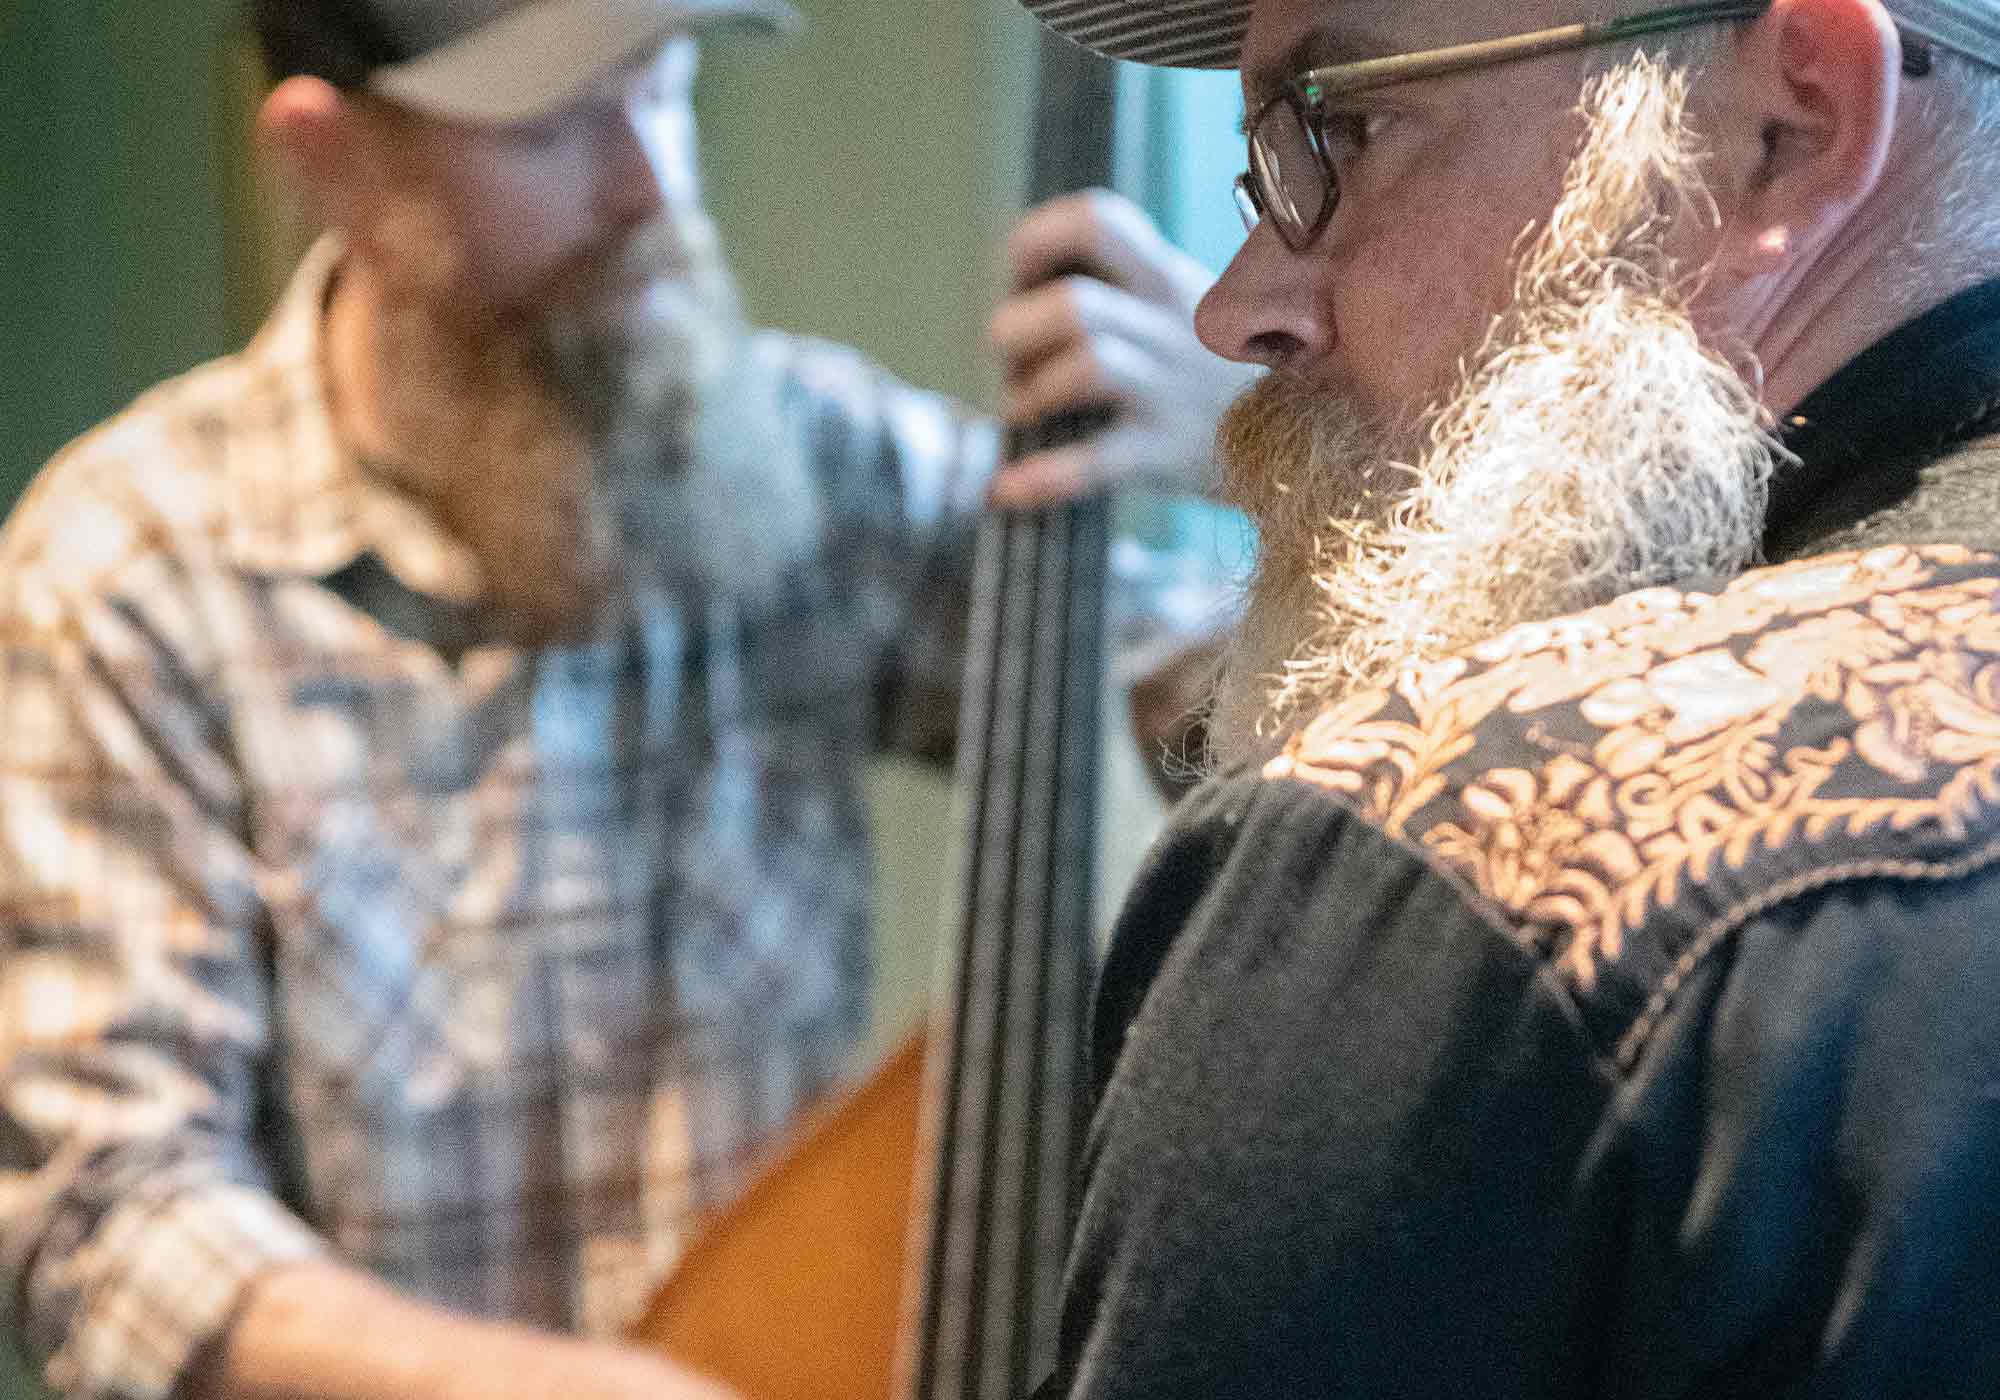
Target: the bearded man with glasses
(1576, 979)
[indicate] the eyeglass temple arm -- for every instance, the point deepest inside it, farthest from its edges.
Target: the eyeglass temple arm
(1485, 53)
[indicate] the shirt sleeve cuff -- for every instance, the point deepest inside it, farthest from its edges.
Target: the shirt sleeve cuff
(162, 1279)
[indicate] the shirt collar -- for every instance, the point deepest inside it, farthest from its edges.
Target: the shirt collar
(1862, 438)
(305, 505)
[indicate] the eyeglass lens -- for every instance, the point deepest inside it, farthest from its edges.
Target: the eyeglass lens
(1296, 186)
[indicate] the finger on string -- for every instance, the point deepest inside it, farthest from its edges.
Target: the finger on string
(1131, 454)
(1030, 325)
(1079, 377)
(1045, 478)
(1102, 233)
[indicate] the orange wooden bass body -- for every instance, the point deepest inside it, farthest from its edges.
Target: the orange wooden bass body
(798, 1291)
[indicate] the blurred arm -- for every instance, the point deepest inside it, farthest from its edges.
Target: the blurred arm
(323, 1332)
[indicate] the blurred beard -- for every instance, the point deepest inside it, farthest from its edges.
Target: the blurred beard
(1593, 447)
(702, 483)
(620, 429)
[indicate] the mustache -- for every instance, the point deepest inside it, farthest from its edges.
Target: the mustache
(1288, 445)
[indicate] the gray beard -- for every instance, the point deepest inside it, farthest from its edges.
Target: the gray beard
(601, 444)
(1594, 446)
(702, 482)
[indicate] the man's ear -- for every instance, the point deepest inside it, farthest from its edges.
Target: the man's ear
(329, 142)
(1813, 106)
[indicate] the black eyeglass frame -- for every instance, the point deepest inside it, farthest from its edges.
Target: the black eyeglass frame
(1307, 94)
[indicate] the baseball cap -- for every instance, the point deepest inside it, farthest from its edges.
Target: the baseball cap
(485, 61)
(1209, 33)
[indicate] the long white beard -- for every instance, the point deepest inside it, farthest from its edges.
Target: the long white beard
(1594, 446)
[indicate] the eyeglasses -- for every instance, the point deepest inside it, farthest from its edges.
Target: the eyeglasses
(1293, 180)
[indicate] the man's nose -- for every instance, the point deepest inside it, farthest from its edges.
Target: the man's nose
(1268, 307)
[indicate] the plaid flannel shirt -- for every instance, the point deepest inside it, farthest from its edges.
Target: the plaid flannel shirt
(326, 925)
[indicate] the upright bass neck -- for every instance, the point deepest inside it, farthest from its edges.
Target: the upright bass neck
(823, 1279)
(1006, 1053)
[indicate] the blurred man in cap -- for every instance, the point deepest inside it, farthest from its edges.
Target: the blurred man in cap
(432, 857)
(1578, 979)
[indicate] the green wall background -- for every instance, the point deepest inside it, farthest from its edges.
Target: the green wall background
(109, 249)
(862, 172)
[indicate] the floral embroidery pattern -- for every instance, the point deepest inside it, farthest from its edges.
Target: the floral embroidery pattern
(1654, 741)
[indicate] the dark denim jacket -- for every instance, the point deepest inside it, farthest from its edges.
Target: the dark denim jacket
(1613, 1012)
